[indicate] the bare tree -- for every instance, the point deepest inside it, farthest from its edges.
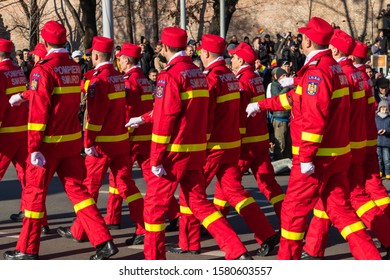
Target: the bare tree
(230, 7)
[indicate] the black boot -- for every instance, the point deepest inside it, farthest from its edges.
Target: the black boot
(104, 251)
(66, 233)
(245, 256)
(306, 256)
(17, 255)
(268, 246)
(177, 250)
(135, 240)
(45, 230)
(17, 217)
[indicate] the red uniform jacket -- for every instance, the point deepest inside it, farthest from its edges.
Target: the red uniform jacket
(254, 130)
(139, 100)
(13, 120)
(106, 107)
(320, 113)
(224, 144)
(53, 125)
(180, 116)
(358, 103)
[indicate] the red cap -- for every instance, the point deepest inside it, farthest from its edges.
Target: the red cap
(130, 50)
(360, 50)
(5, 45)
(246, 52)
(39, 50)
(318, 30)
(54, 33)
(102, 44)
(174, 37)
(213, 43)
(342, 41)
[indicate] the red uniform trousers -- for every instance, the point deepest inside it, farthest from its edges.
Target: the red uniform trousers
(120, 166)
(331, 188)
(71, 172)
(160, 191)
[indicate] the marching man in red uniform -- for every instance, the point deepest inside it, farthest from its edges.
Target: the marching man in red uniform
(321, 149)
(54, 144)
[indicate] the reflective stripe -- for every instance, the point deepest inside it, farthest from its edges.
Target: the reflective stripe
(320, 214)
(228, 97)
(284, 101)
(223, 145)
(160, 139)
(382, 201)
(93, 127)
(372, 143)
(242, 130)
(33, 215)
(257, 98)
(113, 138)
(352, 228)
(358, 94)
(66, 90)
(254, 139)
(86, 85)
(243, 203)
(186, 147)
(311, 137)
(322, 152)
(116, 95)
(141, 138)
(13, 90)
(277, 198)
(298, 90)
(154, 227)
(358, 145)
(62, 138)
(133, 197)
(113, 190)
(371, 100)
(83, 204)
(194, 94)
(211, 218)
(10, 129)
(290, 235)
(365, 208)
(221, 203)
(340, 93)
(36, 126)
(185, 210)
(145, 97)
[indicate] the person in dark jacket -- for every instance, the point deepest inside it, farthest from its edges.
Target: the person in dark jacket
(382, 120)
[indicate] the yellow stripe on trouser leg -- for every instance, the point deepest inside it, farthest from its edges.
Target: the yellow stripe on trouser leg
(382, 201)
(83, 204)
(211, 218)
(243, 203)
(113, 190)
(352, 228)
(365, 208)
(221, 203)
(33, 215)
(290, 235)
(320, 214)
(185, 210)
(154, 227)
(133, 197)
(277, 199)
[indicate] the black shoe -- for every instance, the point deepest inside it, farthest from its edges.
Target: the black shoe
(247, 173)
(45, 230)
(387, 256)
(268, 246)
(113, 226)
(177, 250)
(135, 240)
(306, 256)
(17, 217)
(104, 251)
(17, 255)
(245, 256)
(66, 233)
(173, 225)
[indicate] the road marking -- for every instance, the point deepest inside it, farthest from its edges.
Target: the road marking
(7, 234)
(214, 253)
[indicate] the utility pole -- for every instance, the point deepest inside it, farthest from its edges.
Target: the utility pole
(108, 26)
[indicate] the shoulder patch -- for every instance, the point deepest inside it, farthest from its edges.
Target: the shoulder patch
(315, 78)
(34, 83)
(91, 90)
(312, 88)
(159, 91)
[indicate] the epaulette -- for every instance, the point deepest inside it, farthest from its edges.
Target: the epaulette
(206, 72)
(44, 60)
(239, 76)
(314, 62)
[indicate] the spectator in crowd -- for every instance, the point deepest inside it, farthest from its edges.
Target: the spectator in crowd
(190, 52)
(246, 40)
(115, 60)
(382, 120)
(88, 60)
(383, 90)
(269, 44)
(383, 44)
(199, 63)
(376, 47)
(159, 61)
(27, 63)
(77, 57)
(152, 78)
(233, 43)
(145, 60)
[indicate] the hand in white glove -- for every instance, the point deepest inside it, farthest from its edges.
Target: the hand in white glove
(252, 109)
(287, 82)
(38, 159)
(135, 122)
(159, 170)
(307, 168)
(16, 100)
(91, 152)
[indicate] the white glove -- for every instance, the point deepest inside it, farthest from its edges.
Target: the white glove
(252, 109)
(287, 82)
(159, 170)
(16, 100)
(135, 122)
(91, 151)
(38, 159)
(307, 168)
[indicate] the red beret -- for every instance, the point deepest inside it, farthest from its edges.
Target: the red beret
(213, 43)
(102, 44)
(5, 45)
(39, 50)
(318, 30)
(130, 50)
(246, 52)
(360, 50)
(174, 37)
(342, 41)
(54, 33)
